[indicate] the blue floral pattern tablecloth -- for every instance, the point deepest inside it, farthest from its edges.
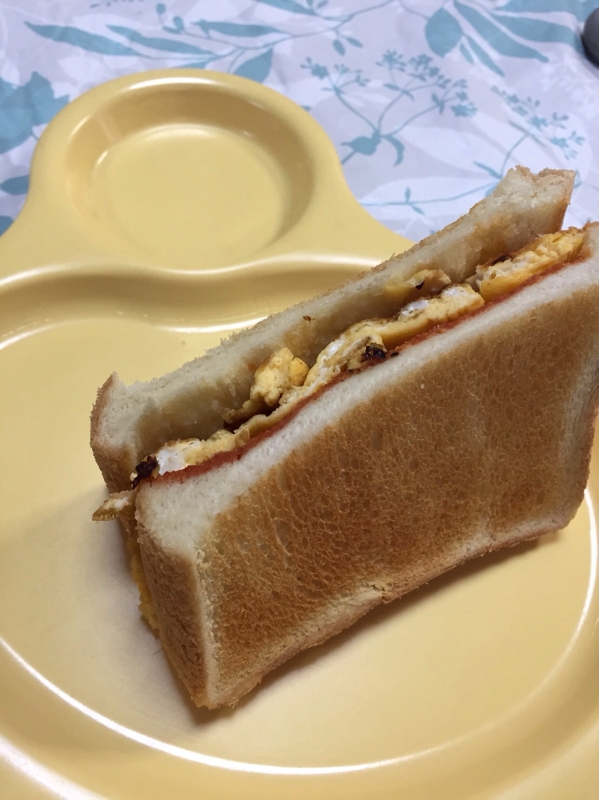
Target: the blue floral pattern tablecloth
(428, 102)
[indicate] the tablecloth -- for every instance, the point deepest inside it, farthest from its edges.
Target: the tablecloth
(428, 102)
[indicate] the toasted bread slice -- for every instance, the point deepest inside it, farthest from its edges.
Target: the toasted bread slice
(475, 437)
(128, 422)
(469, 441)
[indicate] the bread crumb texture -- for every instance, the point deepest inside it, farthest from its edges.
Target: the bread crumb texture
(489, 447)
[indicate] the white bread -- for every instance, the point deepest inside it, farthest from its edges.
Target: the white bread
(472, 439)
(128, 422)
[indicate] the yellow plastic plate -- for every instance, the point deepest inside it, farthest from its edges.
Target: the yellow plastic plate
(165, 211)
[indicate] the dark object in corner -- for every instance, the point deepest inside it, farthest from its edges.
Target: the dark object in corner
(590, 37)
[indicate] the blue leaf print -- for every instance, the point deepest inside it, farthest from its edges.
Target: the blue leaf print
(463, 110)
(491, 171)
(196, 64)
(37, 94)
(339, 47)
(539, 30)
(498, 40)
(442, 32)
(580, 10)
(257, 68)
(483, 57)
(399, 148)
(5, 223)
(179, 24)
(467, 54)
(88, 41)
(24, 107)
(354, 42)
(18, 185)
(289, 5)
(523, 130)
(235, 29)
(158, 43)
(366, 145)
(408, 199)
(160, 8)
(438, 102)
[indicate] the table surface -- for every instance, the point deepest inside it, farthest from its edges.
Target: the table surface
(428, 103)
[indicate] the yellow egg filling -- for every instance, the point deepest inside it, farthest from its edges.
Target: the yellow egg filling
(428, 299)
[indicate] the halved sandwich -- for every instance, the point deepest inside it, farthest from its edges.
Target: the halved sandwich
(349, 449)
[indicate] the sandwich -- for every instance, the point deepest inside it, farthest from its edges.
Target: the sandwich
(349, 449)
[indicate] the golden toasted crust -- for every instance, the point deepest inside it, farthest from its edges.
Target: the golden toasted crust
(331, 625)
(192, 401)
(172, 580)
(403, 488)
(110, 463)
(484, 444)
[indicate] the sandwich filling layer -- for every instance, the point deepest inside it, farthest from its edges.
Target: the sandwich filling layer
(427, 300)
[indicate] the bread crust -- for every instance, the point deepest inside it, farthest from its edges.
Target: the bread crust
(481, 441)
(467, 442)
(178, 607)
(234, 455)
(111, 465)
(133, 421)
(325, 630)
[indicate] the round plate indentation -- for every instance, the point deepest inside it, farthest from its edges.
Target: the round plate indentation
(198, 177)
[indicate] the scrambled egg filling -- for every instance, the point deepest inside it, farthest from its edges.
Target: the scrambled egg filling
(493, 280)
(426, 300)
(359, 342)
(273, 380)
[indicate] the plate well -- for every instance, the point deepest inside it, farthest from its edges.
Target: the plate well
(198, 177)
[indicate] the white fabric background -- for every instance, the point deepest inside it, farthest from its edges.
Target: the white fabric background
(427, 102)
